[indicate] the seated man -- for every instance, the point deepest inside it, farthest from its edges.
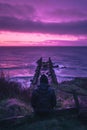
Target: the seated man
(43, 98)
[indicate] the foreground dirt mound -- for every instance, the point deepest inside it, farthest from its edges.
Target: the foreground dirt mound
(13, 107)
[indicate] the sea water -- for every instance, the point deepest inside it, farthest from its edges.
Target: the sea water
(20, 62)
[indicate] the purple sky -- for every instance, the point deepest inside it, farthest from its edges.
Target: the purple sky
(53, 17)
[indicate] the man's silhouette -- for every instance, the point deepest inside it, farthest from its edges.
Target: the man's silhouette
(43, 98)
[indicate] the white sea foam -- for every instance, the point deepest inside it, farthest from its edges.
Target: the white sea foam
(24, 81)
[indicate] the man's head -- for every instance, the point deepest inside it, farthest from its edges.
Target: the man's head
(44, 79)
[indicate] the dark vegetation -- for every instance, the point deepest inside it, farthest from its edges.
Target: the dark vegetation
(14, 99)
(14, 91)
(11, 89)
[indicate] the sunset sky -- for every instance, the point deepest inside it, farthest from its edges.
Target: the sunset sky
(43, 22)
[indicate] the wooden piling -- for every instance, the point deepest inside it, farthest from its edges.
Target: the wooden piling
(53, 76)
(37, 71)
(75, 96)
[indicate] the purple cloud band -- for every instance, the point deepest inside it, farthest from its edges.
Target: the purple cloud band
(20, 25)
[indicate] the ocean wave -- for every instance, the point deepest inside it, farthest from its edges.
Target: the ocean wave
(60, 67)
(61, 76)
(64, 78)
(25, 81)
(77, 68)
(17, 67)
(22, 77)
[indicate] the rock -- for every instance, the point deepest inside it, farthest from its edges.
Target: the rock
(56, 66)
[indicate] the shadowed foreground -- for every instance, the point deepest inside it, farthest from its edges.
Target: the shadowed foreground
(65, 122)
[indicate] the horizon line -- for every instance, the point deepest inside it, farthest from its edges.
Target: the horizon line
(47, 46)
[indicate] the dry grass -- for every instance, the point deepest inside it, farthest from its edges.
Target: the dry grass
(11, 89)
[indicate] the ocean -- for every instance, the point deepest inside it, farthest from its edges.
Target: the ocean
(20, 62)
